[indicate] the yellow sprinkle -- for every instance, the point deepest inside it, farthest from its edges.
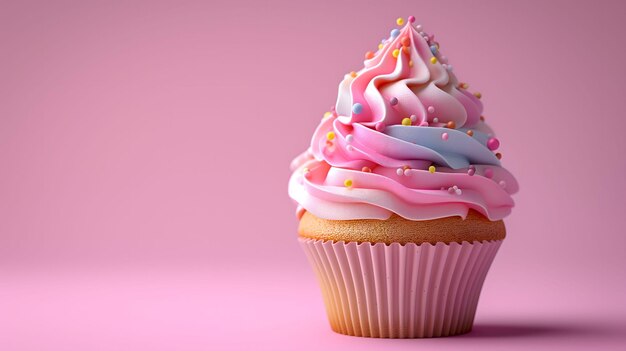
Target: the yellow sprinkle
(406, 121)
(348, 183)
(327, 114)
(305, 170)
(330, 135)
(380, 46)
(353, 74)
(395, 53)
(433, 60)
(400, 21)
(411, 63)
(478, 95)
(432, 169)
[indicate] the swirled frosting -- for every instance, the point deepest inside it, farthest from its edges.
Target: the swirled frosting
(404, 137)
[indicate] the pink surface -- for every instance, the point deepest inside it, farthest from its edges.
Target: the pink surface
(144, 152)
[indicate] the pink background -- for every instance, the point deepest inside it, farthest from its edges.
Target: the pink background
(144, 151)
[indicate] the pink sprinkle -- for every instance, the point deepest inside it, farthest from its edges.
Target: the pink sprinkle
(431, 109)
(471, 171)
(451, 190)
(489, 173)
(444, 136)
(424, 124)
(413, 118)
(411, 19)
(502, 184)
(380, 126)
(493, 144)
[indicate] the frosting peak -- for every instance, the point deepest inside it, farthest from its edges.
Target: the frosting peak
(404, 137)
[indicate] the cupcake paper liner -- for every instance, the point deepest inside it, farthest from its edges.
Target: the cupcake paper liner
(400, 291)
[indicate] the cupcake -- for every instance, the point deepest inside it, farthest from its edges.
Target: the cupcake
(401, 195)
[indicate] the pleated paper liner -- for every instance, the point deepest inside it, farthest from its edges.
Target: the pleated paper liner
(400, 291)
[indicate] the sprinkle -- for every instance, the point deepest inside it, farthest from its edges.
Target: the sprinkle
(413, 118)
(449, 68)
(348, 183)
(431, 109)
(433, 60)
(488, 172)
(395, 33)
(482, 118)
(471, 171)
(493, 144)
(366, 170)
(395, 53)
(470, 132)
(393, 101)
(406, 121)
(350, 148)
(349, 138)
(419, 27)
(411, 63)
(424, 124)
(305, 170)
(451, 125)
(498, 155)
(411, 19)
(380, 46)
(433, 49)
(502, 184)
(353, 74)
(407, 172)
(369, 55)
(432, 169)
(330, 135)
(444, 136)
(405, 49)
(458, 192)
(435, 120)
(405, 167)
(357, 108)
(400, 21)
(463, 85)
(478, 95)
(380, 126)
(472, 167)
(327, 114)
(405, 41)
(399, 171)
(451, 190)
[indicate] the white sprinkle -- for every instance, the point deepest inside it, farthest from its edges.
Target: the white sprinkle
(413, 118)
(431, 109)
(419, 27)
(458, 191)
(349, 138)
(449, 68)
(502, 184)
(406, 172)
(399, 171)
(435, 120)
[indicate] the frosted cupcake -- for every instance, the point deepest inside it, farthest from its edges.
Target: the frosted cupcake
(401, 195)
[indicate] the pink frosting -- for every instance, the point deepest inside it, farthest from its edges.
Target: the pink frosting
(380, 160)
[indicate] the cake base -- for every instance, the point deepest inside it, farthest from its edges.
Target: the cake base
(475, 227)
